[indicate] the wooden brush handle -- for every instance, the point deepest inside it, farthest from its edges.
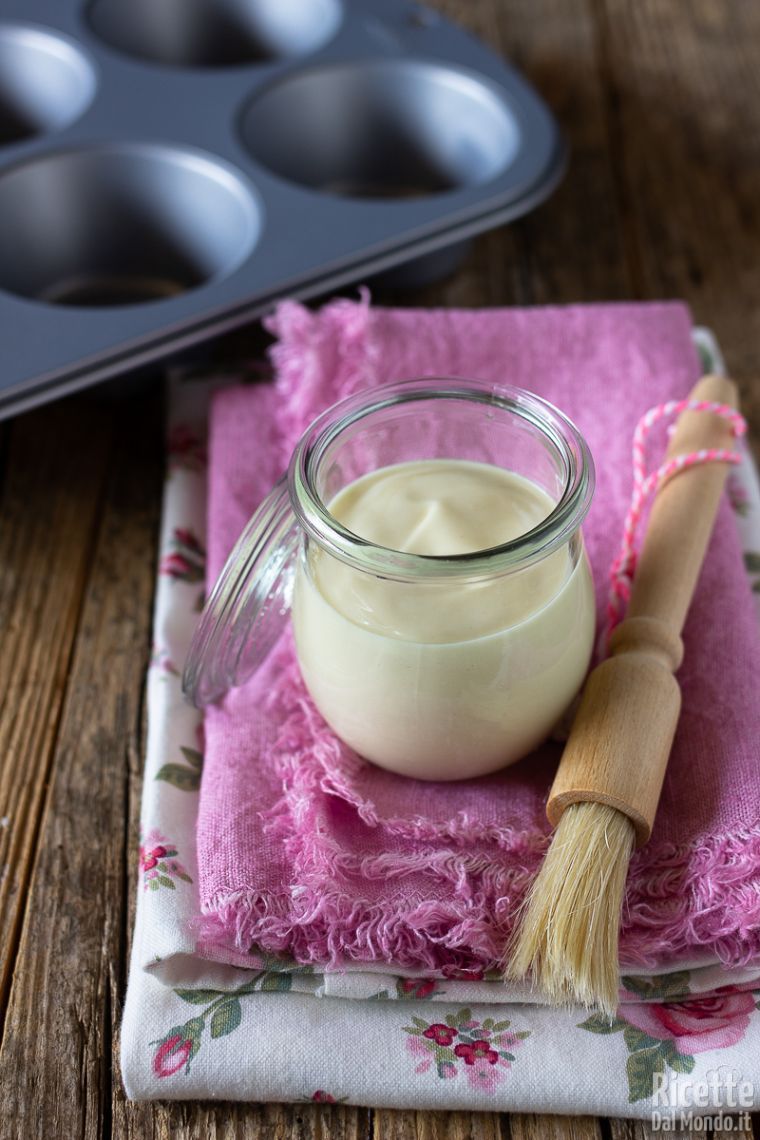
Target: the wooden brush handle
(621, 738)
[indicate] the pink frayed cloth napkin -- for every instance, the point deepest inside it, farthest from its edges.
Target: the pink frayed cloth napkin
(306, 849)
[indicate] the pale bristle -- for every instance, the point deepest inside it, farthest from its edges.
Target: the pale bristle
(567, 938)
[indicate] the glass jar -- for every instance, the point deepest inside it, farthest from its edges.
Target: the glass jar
(486, 650)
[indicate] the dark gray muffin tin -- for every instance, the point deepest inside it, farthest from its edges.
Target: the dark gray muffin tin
(170, 168)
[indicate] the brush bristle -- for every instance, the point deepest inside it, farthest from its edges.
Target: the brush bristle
(568, 935)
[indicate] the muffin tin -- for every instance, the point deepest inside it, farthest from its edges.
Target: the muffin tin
(170, 168)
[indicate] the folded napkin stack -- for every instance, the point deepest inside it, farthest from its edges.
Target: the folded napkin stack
(292, 874)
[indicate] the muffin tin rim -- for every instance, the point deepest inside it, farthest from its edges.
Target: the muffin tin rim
(389, 31)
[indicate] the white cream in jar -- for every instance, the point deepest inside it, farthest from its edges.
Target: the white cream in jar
(451, 678)
(427, 535)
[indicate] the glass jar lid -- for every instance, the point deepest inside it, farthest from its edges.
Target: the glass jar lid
(253, 591)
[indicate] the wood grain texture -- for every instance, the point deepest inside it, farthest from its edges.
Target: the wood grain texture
(573, 247)
(530, 1127)
(732, 1128)
(240, 1122)
(54, 471)
(56, 1060)
(683, 86)
(641, 1130)
(659, 101)
(736, 1129)
(389, 1125)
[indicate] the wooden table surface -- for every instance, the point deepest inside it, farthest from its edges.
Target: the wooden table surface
(660, 100)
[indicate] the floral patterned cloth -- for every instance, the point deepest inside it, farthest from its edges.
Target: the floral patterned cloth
(264, 1028)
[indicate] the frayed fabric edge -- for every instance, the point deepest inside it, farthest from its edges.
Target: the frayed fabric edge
(316, 352)
(679, 901)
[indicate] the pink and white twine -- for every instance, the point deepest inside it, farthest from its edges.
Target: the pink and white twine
(646, 484)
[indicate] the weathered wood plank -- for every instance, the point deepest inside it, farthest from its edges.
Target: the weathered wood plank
(642, 1130)
(55, 1062)
(395, 1125)
(527, 1127)
(190, 1121)
(54, 467)
(573, 247)
(685, 128)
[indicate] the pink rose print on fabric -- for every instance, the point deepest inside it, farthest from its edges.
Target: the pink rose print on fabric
(460, 1044)
(187, 448)
(172, 1054)
(221, 1013)
(698, 1024)
(441, 1034)
(481, 1076)
(476, 1053)
(662, 1035)
(322, 1097)
(420, 989)
(186, 560)
(420, 1051)
(159, 865)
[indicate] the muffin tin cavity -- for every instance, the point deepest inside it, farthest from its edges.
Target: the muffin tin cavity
(121, 225)
(384, 129)
(215, 33)
(45, 82)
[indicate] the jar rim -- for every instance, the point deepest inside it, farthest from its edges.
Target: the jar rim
(548, 535)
